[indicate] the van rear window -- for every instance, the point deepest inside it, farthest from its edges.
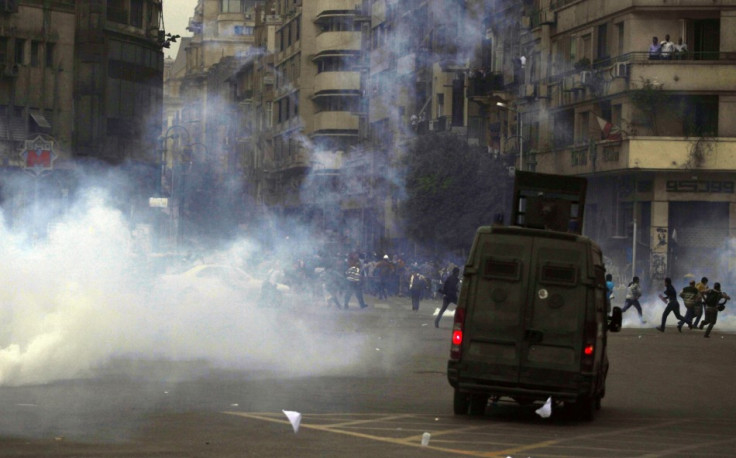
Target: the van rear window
(507, 269)
(565, 275)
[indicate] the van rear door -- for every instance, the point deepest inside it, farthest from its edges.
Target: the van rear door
(528, 307)
(496, 311)
(551, 345)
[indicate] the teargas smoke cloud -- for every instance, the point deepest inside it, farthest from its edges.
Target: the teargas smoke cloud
(84, 298)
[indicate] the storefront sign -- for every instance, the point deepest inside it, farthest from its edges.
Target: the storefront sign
(700, 186)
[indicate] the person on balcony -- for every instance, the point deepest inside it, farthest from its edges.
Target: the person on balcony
(655, 49)
(680, 49)
(667, 48)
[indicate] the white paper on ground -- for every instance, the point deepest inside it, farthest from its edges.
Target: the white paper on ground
(546, 410)
(294, 417)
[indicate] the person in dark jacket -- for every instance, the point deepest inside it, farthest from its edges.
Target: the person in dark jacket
(354, 279)
(690, 296)
(669, 296)
(450, 290)
(715, 301)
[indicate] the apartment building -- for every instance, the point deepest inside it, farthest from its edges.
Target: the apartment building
(80, 82)
(418, 61)
(252, 91)
(317, 111)
(220, 29)
(651, 130)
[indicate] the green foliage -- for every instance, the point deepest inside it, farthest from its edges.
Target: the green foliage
(452, 189)
(650, 99)
(582, 64)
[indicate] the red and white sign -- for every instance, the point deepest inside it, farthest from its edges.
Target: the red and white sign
(38, 155)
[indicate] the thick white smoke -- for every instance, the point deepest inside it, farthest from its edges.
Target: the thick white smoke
(81, 298)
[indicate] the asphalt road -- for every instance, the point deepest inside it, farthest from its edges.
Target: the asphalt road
(669, 394)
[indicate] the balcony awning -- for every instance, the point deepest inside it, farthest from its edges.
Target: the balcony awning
(40, 120)
(334, 53)
(334, 14)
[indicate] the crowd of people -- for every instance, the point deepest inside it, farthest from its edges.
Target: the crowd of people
(338, 278)
(702, 303)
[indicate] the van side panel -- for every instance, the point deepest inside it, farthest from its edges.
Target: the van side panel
(497, 296)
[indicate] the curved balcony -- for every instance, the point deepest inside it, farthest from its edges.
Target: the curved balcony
(334, 41)
(327, 6)
(337, 81)
(332, 121)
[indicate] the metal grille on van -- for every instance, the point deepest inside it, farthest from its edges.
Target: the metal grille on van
(558, 274)
(500, 268)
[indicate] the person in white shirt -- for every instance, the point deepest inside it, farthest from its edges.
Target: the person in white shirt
(667, 48)
(680, 49)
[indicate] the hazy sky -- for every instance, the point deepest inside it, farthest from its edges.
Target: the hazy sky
(176, 19)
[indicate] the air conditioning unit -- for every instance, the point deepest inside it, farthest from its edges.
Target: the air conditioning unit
(620, 70)
(586, 78)
(547, 17)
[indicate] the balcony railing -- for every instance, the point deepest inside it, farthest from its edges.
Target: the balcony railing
(688, 58)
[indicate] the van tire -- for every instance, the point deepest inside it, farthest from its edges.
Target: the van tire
(585, 408)
(460, 403)
(478, 404)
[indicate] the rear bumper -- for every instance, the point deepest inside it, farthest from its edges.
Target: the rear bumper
(540, 391)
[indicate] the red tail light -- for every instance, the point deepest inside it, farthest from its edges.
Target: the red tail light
(457, 334)
(588, 356)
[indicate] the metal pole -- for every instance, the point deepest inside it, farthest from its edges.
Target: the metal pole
(633, 249)
(521, 140)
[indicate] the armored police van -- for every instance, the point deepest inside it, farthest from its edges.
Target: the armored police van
(533, 315)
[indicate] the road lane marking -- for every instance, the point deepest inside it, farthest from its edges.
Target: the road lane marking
(414, 440)
(360, 422)
(356, 434)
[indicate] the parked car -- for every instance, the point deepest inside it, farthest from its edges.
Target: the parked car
(208, 280)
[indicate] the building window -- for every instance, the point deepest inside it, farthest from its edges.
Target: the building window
(117, 11)
(35, 46)
(620, 28)
(563, 128)
(136, 13)
(231, 6)
(49, 51)
(700, 115)
(243, 30)
(584, 130)
(20, 48)
(602, 51)
(3, 49)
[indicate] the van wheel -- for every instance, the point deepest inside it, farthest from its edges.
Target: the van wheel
(478, 404)
(460, 403)
(585, 408)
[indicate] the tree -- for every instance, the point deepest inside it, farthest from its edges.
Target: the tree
(452, 189)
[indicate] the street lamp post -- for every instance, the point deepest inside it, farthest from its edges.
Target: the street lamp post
(175, 204)
(519, 121)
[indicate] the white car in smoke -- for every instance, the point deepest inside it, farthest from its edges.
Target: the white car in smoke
(217, 280)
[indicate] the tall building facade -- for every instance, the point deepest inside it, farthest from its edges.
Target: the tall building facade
(650, 129)
(81, 82)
